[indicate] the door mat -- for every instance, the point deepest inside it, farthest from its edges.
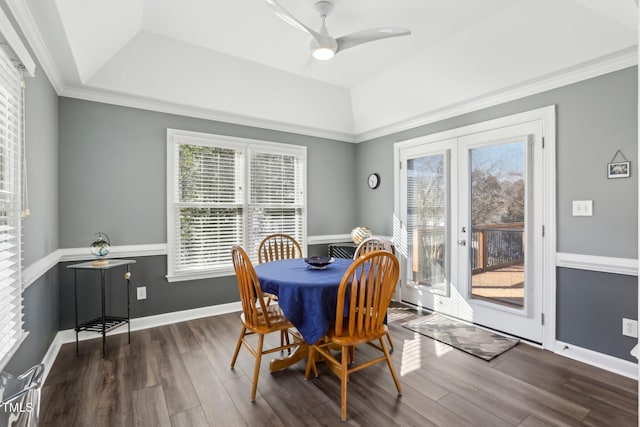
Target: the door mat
(463, 336)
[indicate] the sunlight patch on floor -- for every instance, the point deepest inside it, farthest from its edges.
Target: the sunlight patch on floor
(396, 315)
(411, 354)
(441, 349)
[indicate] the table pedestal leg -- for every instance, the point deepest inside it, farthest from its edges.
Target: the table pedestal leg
(301, 352)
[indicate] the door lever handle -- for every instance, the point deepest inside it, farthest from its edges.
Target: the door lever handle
(462, 242)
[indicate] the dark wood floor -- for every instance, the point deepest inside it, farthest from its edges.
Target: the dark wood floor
(179, 375)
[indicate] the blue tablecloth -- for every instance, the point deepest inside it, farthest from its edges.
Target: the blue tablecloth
(307, 297)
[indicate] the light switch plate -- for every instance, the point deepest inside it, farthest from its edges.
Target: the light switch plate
(582, 208)
(141, 292)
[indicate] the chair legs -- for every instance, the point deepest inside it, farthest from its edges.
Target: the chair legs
(391, 368)
(344, 377)
(256, 371)
(258, 356)
(258, 352)
(238, 345)
(390, 342)
(311, 363)
(284, 338)
(341, 367)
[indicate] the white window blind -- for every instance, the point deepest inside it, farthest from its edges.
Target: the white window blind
(276, 197)
(11, 327)
(225, 191)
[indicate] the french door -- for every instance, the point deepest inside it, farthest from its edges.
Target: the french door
(471, 210)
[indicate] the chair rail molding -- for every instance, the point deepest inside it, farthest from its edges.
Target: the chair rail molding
(328, 238)
(40, 267)
(82, 254)
(625, 266)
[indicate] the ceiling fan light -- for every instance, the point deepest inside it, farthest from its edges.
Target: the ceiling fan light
(323, 53)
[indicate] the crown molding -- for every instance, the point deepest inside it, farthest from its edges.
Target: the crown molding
(27, 25)
(607, 64)
(133, 101)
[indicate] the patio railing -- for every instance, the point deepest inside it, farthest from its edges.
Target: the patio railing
(492, 246)
(496, 246)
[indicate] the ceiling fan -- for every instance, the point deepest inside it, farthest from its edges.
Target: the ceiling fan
(323, 46)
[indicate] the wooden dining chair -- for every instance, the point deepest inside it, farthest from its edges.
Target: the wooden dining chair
(278, 246)
(275, 247)
(374, 244)
(364, 294)
(257, 316)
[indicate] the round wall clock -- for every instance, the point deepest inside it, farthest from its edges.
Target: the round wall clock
(373, 181)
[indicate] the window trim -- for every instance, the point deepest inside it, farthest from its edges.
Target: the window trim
(176, 137)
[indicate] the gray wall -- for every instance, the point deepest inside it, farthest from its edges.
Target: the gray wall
(113, 173)
(593, 305)
(40, 230)
(40, 320)
(594, 119)
(113, 179)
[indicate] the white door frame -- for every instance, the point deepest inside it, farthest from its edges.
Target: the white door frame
(548, 117)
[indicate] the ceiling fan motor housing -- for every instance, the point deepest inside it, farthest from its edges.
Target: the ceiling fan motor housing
(324, 8)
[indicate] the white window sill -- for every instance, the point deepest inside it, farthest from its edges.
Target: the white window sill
(183, 277)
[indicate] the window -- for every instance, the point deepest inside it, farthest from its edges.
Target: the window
(11, 328)
(223, 191)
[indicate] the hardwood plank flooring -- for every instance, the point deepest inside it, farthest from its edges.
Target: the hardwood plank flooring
(179, 375)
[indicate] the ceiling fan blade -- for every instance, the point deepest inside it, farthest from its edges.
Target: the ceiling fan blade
(283, 14)
(366, 36)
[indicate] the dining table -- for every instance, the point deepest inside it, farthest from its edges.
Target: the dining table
(307, 297)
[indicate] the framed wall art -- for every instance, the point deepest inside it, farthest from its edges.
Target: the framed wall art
(618, 169)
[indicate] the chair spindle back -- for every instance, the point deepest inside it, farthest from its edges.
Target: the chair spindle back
(371, 244)
(278, 246)
(365, 293)
(253, 304)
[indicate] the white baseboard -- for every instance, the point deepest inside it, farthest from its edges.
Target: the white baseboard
(599, 360)
(139, 323)
(50, 356)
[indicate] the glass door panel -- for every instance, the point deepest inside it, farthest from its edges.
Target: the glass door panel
(498, 205)
(427, 214)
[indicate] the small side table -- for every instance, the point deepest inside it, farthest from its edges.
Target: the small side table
(104, 323)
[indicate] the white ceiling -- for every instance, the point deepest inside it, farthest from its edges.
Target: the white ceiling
(236, 61)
